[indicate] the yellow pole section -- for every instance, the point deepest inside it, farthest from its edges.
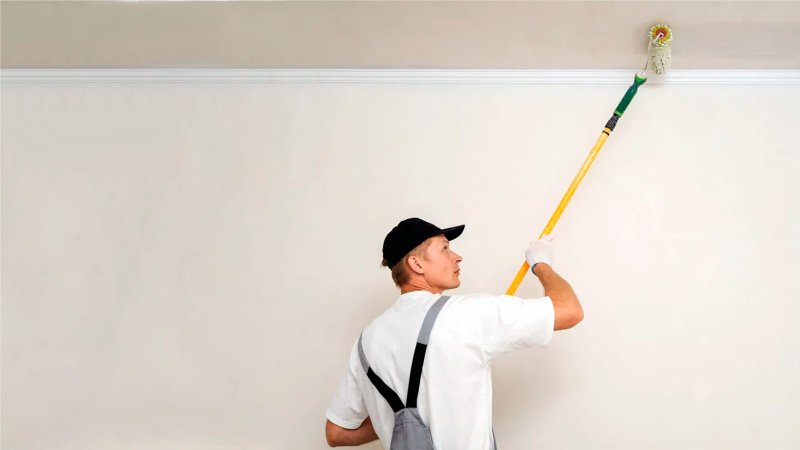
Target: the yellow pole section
(561, 206)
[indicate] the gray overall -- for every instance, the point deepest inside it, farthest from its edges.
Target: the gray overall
(409, 432)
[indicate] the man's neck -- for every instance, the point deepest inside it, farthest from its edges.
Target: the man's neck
(419, 285)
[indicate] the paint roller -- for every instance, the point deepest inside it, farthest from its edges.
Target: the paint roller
(658, 59)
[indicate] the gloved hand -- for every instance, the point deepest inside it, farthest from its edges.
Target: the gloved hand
(540, 251)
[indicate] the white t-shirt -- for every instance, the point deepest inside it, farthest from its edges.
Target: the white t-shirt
(455, 393)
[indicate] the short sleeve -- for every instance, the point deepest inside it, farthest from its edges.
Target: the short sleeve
(512, 323)
(347, 408)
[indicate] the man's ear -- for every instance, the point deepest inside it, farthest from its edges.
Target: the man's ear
(415, 264)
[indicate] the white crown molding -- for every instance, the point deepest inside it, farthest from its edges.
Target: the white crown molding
(447, 76)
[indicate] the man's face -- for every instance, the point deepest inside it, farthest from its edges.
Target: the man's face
(441, 264)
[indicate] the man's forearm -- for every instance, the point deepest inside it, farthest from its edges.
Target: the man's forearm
(553, 284)
(565, 302)
(361, 435)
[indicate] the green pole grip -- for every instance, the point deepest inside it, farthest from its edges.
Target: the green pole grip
(626, 100)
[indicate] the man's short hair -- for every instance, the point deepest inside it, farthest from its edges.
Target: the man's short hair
(400, 272)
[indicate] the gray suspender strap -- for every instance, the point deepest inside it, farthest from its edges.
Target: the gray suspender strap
(416, 363)
(419, 352)
(430, 319)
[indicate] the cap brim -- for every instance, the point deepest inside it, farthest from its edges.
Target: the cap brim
(453, 232)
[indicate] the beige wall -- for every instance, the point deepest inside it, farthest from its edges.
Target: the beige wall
(395, 34)
(185, 266)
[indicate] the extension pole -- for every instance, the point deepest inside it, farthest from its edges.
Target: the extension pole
(612, 122)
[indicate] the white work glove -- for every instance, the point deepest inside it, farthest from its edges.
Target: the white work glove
(540, 251)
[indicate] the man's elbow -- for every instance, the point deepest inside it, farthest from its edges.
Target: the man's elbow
(578, 316)
(332, 435)
(568, 318)
(332, 442)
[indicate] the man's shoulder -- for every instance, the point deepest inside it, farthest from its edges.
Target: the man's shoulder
(472, 301)
(483, 303)
(472, 298)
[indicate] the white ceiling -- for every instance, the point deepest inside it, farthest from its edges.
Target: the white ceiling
(477, 35)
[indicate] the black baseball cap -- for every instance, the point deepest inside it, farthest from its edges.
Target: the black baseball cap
(410, 233)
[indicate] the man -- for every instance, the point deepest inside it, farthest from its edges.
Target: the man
(453, 395)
